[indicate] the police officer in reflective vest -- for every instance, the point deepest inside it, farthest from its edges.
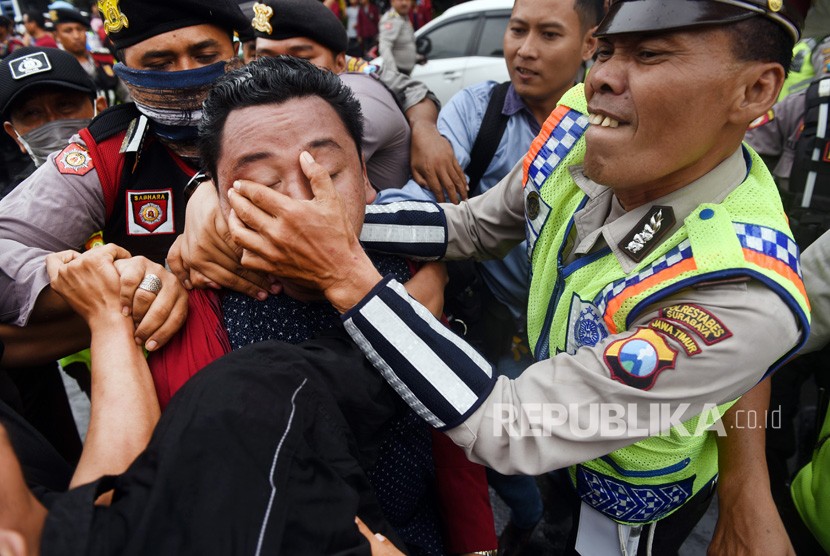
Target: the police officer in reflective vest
(663, 272)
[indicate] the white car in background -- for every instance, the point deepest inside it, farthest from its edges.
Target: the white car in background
(463, 47)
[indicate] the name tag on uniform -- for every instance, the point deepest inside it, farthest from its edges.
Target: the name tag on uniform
(150, 212)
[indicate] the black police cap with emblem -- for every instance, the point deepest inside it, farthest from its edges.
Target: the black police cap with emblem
(33, 66)
(643, 16)
(128, 22)
(286, 19)
(68, 15)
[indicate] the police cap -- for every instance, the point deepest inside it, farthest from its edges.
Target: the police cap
(642, 16)
(69, 15)
(286, 19)
(128, 22)
(34, 66)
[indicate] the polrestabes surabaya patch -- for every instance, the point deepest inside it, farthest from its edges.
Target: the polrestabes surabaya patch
(648, 232)
(28, 65)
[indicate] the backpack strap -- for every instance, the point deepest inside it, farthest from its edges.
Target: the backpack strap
(489, 135)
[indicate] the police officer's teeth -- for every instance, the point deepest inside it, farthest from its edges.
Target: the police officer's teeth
(604, 121)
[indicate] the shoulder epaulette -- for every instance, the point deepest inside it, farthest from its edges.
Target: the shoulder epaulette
(113, 120)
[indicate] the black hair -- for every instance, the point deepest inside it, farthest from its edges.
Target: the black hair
(36, 17)
(272, 80)
(590, 12)
(759, 39)
(5, 22)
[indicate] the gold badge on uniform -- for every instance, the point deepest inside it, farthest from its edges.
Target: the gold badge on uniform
(262, 18)
(114, 19)
(775, 5)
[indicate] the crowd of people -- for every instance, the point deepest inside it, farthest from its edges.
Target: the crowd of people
(315, 312)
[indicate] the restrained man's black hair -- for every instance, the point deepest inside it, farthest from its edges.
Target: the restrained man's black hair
(272, 80)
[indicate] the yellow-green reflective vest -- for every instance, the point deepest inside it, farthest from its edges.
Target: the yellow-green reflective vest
(582, 303)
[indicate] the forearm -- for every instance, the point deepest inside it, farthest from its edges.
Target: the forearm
(742, 461)
(423, 115)
(40, 343)
(124, 407)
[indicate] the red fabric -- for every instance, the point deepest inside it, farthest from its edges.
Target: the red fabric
(464, 500)
(201, 341)
(109, 162)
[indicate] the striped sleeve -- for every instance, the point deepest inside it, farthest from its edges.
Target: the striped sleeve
(441, 377)
(415, 229)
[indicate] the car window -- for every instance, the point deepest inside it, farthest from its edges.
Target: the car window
(452, 40)
(492, 36)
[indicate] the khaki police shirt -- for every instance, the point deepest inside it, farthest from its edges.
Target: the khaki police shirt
(761, 329)
(396, 42)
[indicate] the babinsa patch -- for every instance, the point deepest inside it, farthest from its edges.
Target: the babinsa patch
(148, 212)
(639, 359)
(74, 160)
(699, 320)
(680, 335)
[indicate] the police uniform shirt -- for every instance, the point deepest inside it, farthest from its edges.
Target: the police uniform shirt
(386, 132)
(757, 326)
(396, 42)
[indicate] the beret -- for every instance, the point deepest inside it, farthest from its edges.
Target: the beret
(68, 15)
(128, 22)
(286, 19)
(32, 66)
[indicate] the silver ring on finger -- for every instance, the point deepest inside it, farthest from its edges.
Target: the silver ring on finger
(150, 283)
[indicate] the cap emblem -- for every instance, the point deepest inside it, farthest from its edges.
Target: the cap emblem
(114, 18)
(776, 5)
(25, 66)
(262, 18)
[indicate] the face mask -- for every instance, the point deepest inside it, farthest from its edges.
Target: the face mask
(172, 100)
(50, 137)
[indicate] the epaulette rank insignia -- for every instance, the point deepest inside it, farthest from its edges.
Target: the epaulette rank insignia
(646, 235)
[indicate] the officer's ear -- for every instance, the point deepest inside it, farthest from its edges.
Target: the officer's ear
(339, 63)
(10, 131)
(100, 104)
(370, 191)
(760, 84)
(589, 44)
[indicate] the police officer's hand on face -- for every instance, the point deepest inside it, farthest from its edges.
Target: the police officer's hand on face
(204, 255)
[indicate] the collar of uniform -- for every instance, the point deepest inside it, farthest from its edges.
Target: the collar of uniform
(597, 219)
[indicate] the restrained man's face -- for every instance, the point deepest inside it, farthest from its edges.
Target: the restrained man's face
(661, 105)
(263, 144)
